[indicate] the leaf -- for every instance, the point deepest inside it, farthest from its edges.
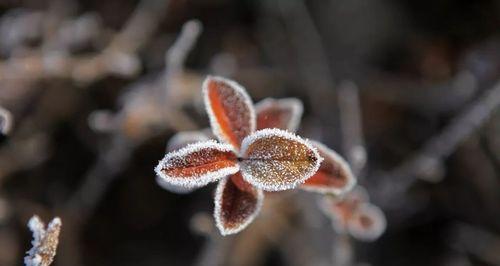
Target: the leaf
(333, 176)
(368, 222)
(283, 113)
(231, 112)
(198, 164)
(274, 160)
(237, 203)
(342, 210)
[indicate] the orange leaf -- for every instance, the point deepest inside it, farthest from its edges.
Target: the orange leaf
(231, 112)
(275, 160)
(198, 164)
(283, 113)
(236, 204)
(334, 175)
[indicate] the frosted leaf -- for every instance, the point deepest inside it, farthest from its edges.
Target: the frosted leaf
(274, 160)
(282, 113)
(6, 121)
(230, 109)
(237, 203)
(368, 222)
(45, 241)
(342, 210)
(333, 176)
(184, 138)
(198, 164)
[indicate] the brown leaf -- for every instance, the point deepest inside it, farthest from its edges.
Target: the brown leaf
(275, 160)
(236, 204)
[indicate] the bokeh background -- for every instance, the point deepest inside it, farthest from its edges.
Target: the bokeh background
(406, 90)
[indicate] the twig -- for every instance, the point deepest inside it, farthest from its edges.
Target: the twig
(351, 126)
(45, 241)
(437, 148)
(442, 145)
(6, 121)
(478, 242)
(119, 57)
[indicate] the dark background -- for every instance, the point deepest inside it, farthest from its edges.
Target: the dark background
(418, 66)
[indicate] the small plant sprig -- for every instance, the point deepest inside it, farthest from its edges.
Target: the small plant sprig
(353, 214)
(256, 153)
(45, 241)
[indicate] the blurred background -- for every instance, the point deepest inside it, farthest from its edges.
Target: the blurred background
(405, 90)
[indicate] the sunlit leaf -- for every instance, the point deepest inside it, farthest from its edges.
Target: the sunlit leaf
(333, 176)
(236, 204)
(231, 112)
(274, 160)
(279, 113)
(198, 164)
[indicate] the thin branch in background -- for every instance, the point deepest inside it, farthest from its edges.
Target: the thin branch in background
(119, 57)
(351, 126)
(314, 69)
(45, 241)
(476, 242)
(175, 59)
(427, 161)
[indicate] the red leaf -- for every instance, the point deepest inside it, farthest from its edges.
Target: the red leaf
(275, 160)
(334, 174)
(283, 113)
(198, 164)
(236, 204)
(230, 109)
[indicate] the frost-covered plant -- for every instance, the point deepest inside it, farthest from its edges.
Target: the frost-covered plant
(355, 215)
(256, 153)
(45, 241)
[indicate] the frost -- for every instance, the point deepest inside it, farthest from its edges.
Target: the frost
(44, 242)
(235, 209)
(230, 110)
(279, 113)
(334, 175)
(197, 164)
(275, 160)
